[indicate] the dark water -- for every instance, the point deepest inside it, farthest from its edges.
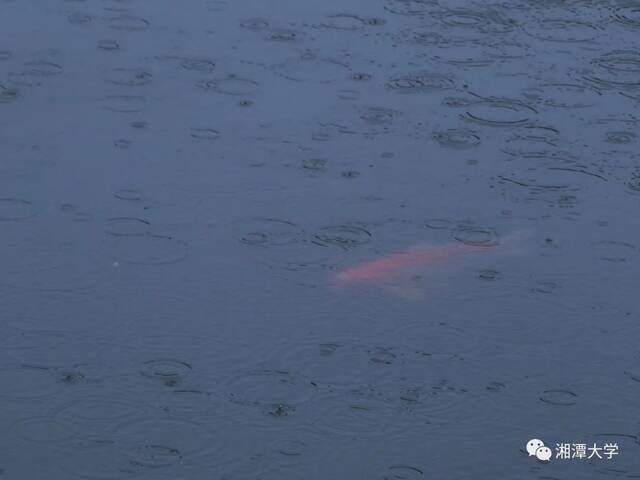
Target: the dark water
(181, 181)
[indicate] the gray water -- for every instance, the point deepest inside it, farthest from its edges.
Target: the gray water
(180, 183)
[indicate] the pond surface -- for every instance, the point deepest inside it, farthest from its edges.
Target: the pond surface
(382, 239)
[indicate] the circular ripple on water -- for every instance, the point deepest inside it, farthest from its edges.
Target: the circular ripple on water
(139, 125)
(410, 7)
(614, 251)
(489, 274)
(128, 23)
(27, 382)
(469, 57)
(42, 69)
(315, 164)
(168, 372)
(129, 77)
(203, 65)
(379, 116)
(620, 61)
(149, 249)
(551, 178)
(127, 226)
(438, 223)
(290, 449)
(205, 133)
(616, 69)
(344, 236)
(284, 35)
(128, 194)
(343, 21)
(109, 45)
(255, 24)
(485, 22)
(304, 256)
(122, 143)
(628, 15)
(15, 209)
(499, 112)
(230, 85)
(8, 94)
(633, 185)
(271, 392)
(288, 246)
(457, 138)
(559, 397)
(620, 138)
(403, 472)
(476, 236)
(267, 232)
(152, 443)
(421, 82)
(562, 30)
(429, 39)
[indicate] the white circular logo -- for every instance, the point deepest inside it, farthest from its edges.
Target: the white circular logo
(543, 454)
(533, 445)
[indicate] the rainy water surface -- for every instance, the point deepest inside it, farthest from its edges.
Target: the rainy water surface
(203, 211)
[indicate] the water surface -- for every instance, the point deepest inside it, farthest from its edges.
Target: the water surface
(181, 181)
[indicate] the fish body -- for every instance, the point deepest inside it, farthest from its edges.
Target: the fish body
(391, 265)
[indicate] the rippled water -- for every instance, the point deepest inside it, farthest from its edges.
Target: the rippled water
(187, 190)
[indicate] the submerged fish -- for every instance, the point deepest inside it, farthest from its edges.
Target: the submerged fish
(390, 266)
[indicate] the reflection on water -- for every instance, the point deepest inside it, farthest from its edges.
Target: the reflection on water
(181, 184)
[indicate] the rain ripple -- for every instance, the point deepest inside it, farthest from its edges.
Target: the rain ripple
(230, 85)
(618, 69)
(421, 82)
(484, 21)
(628, 15)
(16, 209)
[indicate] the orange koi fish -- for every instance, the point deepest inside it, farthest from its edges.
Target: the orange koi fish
(392, 265)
